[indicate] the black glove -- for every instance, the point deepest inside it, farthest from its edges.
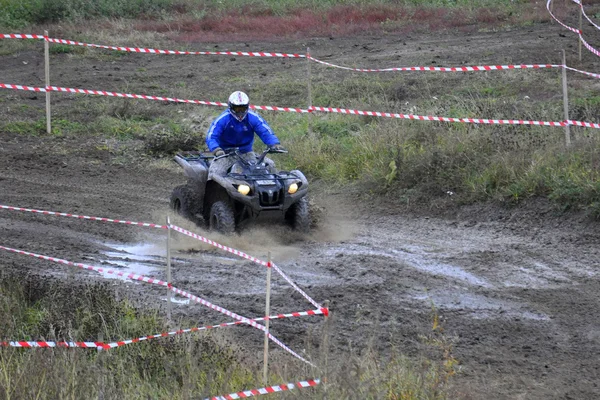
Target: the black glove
(218, 152)
(278, 147)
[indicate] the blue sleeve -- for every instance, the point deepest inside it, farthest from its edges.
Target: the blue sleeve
(213, 136)
(262, 129)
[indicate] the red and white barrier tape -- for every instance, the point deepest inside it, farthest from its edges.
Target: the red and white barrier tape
(267, 390)
(153, 51)
(145, 224)
(102, 345)
(20, 36)
(440, 119)
(577, 31)
(131, 276)
(46, 344)
(584, 13)
(323, 311)
(444, 69)
(177, 52)
(589, 47)
(118, 221)
(239, 318)
(246, 256)
(289, 55)
(597, 76)
(584, 124)
(172, 288)
(312, 109)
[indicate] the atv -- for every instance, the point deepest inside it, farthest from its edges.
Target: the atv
(248, 191)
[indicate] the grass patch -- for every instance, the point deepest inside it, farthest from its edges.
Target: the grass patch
(194, 365)
(176, 367)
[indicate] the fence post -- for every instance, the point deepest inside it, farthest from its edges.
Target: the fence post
(169, 304)
(324, 350)
(565, 99)
(47, 70)
(267, 313)
(309, 91)
(580, 26)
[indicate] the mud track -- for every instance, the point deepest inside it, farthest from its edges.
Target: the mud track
(518, 290)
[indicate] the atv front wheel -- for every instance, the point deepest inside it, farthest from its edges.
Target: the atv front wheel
(184, 202)
(221, 218)
(298, 216)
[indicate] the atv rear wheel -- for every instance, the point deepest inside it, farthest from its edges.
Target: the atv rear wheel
(298, 216)
(221, 218)
(184, 202)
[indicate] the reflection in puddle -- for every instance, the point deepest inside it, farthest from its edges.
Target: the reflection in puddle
(417, 258)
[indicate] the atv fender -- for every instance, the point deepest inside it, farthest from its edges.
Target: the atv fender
(195, 171)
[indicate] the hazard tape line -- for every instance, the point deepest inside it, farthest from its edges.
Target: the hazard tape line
(589, 47)
(45, 344)
(577, 31)
(584, 13)
(152, 51)
(106, 346)
(267, 390)
(102, 219)
(312, 109)
(172, 288)
(584, 124)
(246, 256)
(177, 52)
(131, 276)
(225, 324)
(584, 72)
(20, 36)
(239, 318)
(439, 119)
(444, 69)
(464, 68)
(288, 55)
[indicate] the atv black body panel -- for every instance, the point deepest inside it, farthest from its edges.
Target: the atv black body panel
(269, 189)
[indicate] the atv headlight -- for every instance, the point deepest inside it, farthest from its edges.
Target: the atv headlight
(244, 189)
(293, 188)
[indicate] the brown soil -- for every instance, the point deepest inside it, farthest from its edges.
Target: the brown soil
(518, 289)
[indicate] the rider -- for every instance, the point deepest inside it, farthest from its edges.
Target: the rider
(236, 127)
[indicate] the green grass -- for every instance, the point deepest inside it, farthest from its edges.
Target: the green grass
(193, 365)
(32, 309)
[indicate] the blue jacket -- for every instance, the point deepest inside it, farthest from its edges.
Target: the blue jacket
(226, 131)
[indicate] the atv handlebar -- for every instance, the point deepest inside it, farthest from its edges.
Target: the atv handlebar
(236, 151)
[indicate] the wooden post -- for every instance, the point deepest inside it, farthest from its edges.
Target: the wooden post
(324, 350)
(47, 68)
(169, 294)
(309, 91)
(267, 312)
(565, 99)
(580, 26)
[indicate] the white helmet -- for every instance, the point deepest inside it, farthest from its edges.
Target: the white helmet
(238, 105)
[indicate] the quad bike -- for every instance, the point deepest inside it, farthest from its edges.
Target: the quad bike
(248, 190)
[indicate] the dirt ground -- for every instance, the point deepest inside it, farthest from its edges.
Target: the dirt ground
(517, 289)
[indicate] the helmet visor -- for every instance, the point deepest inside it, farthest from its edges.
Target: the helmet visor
(241, 109)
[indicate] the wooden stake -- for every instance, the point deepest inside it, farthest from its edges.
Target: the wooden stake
(267, 313)
(580, 27)
(47, 68)
(324, 350)
(309, 91)
(169, 293)
(565, 99)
